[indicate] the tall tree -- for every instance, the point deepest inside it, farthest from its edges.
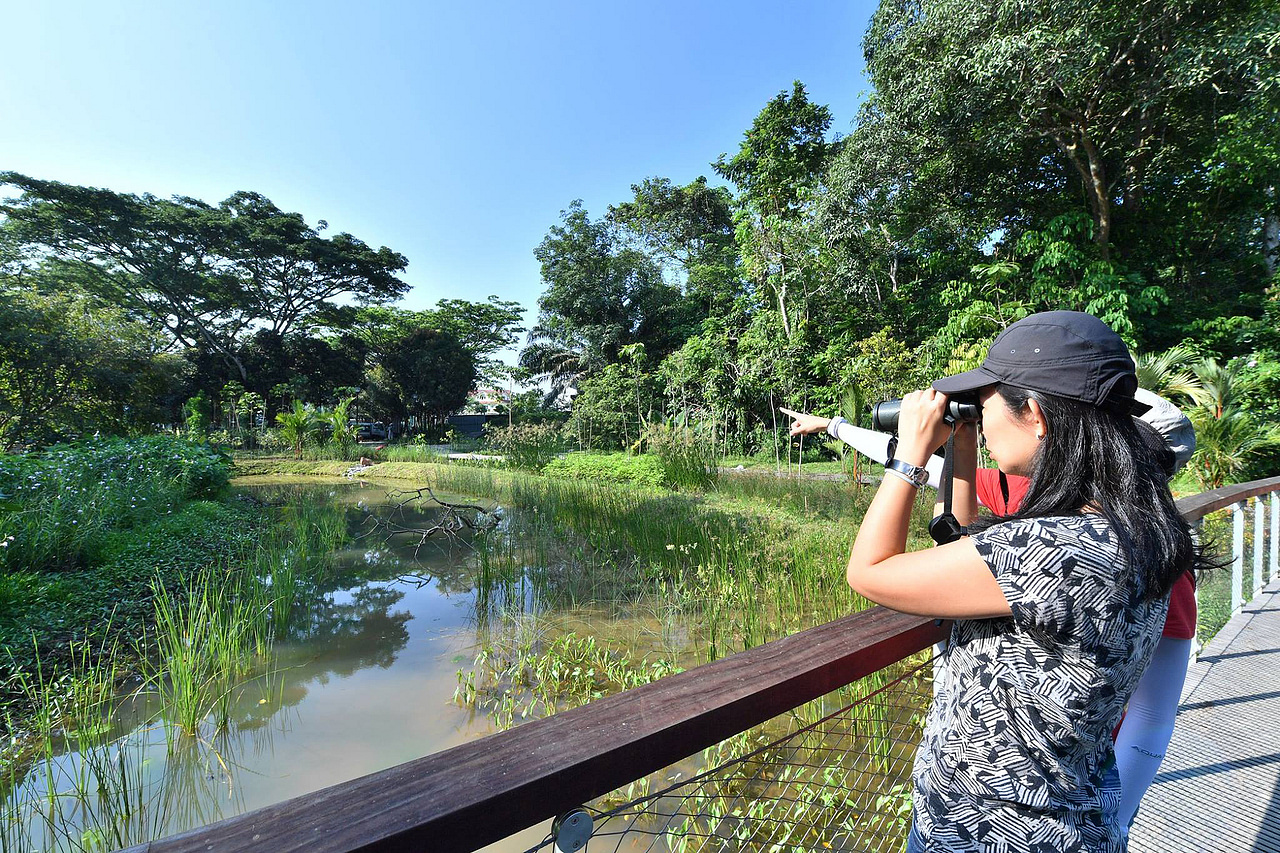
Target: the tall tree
(483, 328)
(1098, 86)
(777, 170)
(688, 229)
(433, 372)
(202, 274)
(290, 271)
(604, 294)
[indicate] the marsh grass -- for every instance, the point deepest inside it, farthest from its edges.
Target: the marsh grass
(219, 628)
(72, 781)
(207, 638)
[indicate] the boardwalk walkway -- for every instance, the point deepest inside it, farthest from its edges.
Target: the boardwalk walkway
(1219, 786)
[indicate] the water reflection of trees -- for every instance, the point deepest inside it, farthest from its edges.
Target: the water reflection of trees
(353, 633)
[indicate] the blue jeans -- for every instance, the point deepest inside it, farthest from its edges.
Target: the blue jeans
(915, 844)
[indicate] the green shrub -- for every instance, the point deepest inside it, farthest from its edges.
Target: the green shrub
(608, 468)
(528, 447)
(688, 454)
(58, 507)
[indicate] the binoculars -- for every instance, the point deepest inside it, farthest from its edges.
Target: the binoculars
(961, 409)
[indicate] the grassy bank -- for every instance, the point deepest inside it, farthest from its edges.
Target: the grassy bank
(99, 537)
(132, 578)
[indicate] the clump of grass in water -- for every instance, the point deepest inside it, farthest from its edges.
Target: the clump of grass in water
(206, 639)
(73, 706)
(528, 674)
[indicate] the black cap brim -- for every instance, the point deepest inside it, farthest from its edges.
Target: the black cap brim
(970, 380)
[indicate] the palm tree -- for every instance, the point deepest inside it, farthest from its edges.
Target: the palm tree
(1169, 374)
(342, 436)
(1221, 386)
(1226, 441)
(557, 354)
(298, 425)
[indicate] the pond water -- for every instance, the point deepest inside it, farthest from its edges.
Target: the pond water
(363, 679)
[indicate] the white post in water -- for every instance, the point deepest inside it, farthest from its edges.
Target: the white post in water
(1258, 536)
(1275, 535)
(1237, 556)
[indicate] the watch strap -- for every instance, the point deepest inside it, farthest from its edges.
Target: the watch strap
(913, 474)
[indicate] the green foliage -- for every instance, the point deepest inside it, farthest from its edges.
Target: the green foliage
(1227, 441)
(523, 675)
(61, 506)
(298, 426)
(71, 365)
(195, 416)
(876, 368)
(777, 169)
(527, 447)
(601, 295)
(342, 434)
(610, 408)
(690, 231)
(432, 372)
(1168, 374)
(608, 468)
(156, 258)
(687, 454)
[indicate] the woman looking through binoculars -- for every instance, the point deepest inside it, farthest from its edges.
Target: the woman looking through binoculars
(1058, 606)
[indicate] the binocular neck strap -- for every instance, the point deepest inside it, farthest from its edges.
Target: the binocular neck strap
(946, 527)
(948, 472)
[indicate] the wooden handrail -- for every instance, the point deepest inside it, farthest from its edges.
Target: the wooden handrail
(477, 793)
(1196, 507)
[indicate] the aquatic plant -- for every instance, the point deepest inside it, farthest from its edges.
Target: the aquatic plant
(687, 453)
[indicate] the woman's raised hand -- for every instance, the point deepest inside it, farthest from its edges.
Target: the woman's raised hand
(802, 424)
(921, 428)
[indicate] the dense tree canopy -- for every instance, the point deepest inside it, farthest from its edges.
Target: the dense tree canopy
(1015, 156)
(1012, 156)
(203, 275)
(70, 365)
(238, 301)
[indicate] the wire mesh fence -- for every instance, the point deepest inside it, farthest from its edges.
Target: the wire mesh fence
(833, 774)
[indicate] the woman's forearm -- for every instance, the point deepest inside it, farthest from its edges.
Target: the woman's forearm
(883, 532)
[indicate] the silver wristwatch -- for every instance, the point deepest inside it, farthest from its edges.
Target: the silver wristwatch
(913, 474)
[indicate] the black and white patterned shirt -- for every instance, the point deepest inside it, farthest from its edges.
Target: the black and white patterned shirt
(1017, 753)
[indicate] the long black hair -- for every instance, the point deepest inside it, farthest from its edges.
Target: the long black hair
(1096, 457)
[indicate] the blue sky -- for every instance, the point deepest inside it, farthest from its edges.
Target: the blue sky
(452, 133)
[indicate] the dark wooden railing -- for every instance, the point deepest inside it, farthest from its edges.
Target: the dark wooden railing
(472, 795)
(1196, 507)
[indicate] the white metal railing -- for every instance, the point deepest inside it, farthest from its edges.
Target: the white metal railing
(1260, 539)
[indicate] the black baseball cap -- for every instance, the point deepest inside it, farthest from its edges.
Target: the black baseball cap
(1067, 353)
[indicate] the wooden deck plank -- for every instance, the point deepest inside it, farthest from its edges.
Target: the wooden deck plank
(1218, 789)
